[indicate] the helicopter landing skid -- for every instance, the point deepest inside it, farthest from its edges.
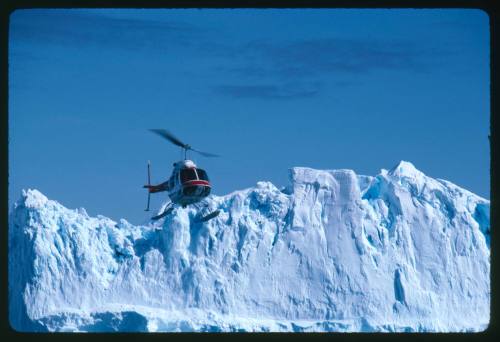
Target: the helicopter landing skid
(208, 216)
(165, 212)
(202, 215)
(199, 218)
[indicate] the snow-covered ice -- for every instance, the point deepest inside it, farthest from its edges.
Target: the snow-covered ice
(332, 251)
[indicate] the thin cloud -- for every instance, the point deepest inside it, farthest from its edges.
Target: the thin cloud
(74, 27)
(317, 56)
(271, 70)
(315, 61)
(269, 91)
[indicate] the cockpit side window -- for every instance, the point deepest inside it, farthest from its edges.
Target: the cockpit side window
(188, 175)
(202, 174)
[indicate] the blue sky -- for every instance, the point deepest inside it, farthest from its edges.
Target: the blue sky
(267, 89)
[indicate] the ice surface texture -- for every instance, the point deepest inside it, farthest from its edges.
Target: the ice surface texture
(334, 251)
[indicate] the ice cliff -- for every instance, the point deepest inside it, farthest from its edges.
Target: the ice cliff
(333, 251)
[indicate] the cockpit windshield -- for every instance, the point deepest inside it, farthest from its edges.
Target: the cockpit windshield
(202, 174)
(188, 175)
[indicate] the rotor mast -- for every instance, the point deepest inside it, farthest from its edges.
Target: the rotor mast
(186, 148)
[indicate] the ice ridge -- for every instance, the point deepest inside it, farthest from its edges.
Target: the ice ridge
(332, 251)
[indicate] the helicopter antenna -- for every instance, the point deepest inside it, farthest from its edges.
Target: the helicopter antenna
(174, 140)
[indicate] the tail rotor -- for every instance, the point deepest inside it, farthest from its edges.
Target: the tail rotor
(149, 184)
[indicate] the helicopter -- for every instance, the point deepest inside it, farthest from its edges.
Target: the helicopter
(188, 184)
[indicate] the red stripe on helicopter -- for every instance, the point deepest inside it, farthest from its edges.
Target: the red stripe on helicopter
(196, 182)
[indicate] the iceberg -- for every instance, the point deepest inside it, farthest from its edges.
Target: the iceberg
(331, 251)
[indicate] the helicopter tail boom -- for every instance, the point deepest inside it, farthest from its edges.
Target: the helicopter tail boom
(156, 188)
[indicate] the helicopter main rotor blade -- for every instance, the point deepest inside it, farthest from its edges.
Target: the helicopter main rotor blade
(169, 136)
(206, 154)
(174, 140)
